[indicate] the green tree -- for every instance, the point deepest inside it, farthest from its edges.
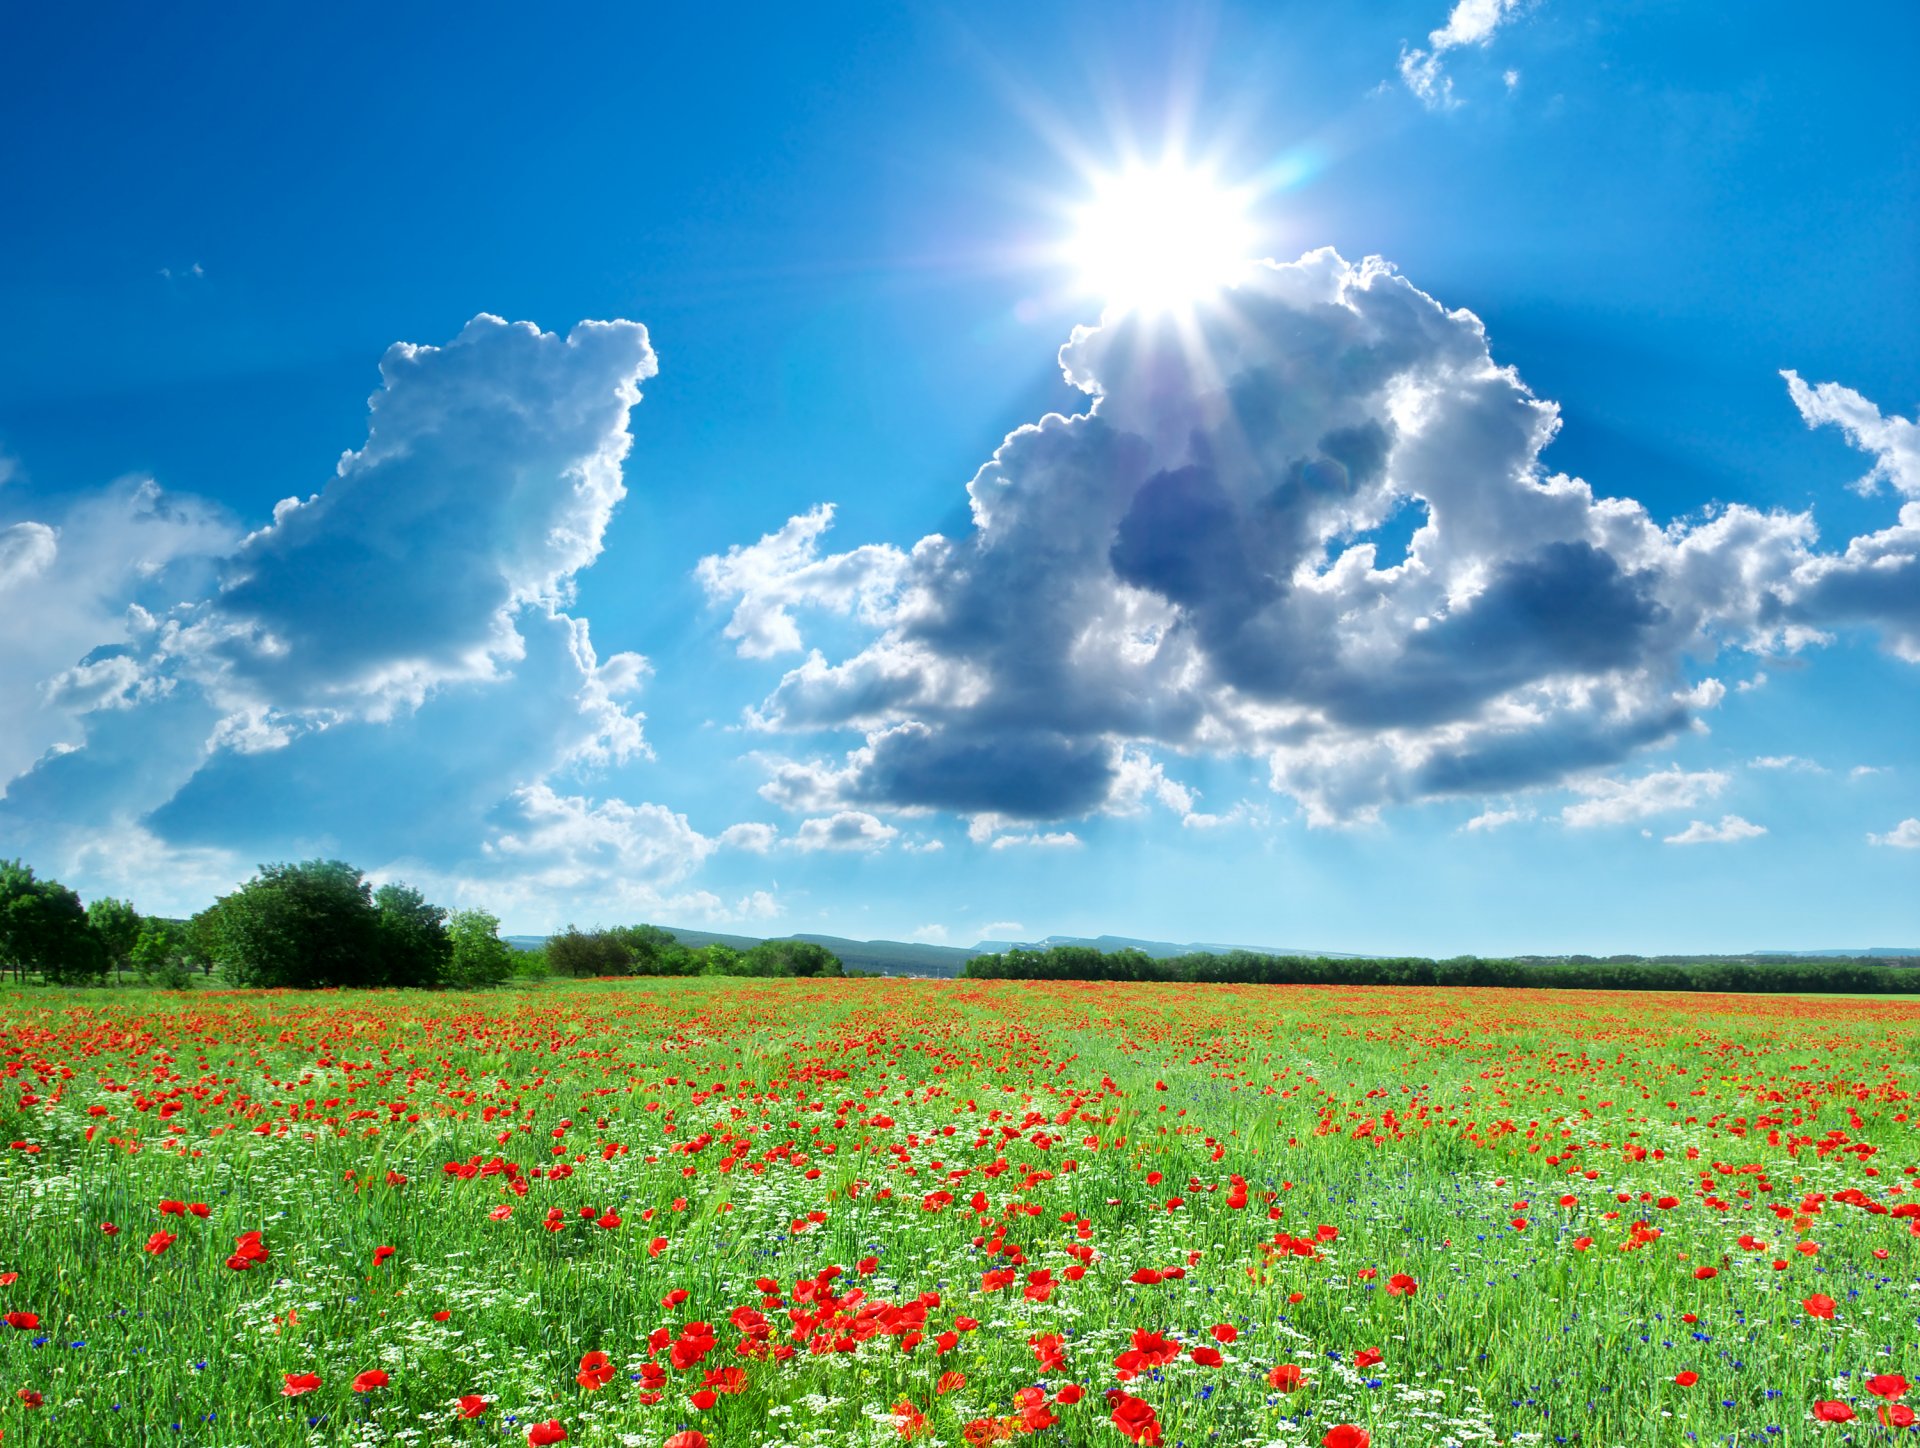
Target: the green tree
(117, 925)
(43, 927)
(588, 952)
(477, 955)
(794, 957)
(312, 924)
(722, 959)
(166, 954)
(414, 946)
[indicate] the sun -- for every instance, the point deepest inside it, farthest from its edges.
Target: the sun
(1159, 239)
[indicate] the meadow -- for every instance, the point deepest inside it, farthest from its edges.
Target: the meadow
(662, 1214)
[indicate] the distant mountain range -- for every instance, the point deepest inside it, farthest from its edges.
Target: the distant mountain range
(908, 957)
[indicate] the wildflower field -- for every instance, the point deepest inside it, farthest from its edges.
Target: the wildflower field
(675, 1213)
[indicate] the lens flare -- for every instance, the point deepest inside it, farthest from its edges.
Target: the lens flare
(1159, 239)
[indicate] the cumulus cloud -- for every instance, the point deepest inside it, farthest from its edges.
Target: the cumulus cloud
(1730, 829)
(79, 595)
(1193, 566)
(755, 839)
(1471, 22)
(853, 830)
(1903, 836)
(229, 696)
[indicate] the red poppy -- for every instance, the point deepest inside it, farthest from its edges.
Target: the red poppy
(541, 1434)
(1401, 1285)
(1135, 1418)
(949, 1382)
(1686, 1379)
(160, 1241)
(1070, 1394)
(656, 1246)
(1286, 1378)
(298, 1383)
(1897, 1415)
(1224, 1333)
(1886, 1385)
(369, 1380)
(470, 1405)
(596, 1371)
(1367, 1357)
(30, 1396)
(25, 1321)
(1832, 1410)
(689, 1438)
(380, 1254)
(1346, 1435)
(1819, 1305)
(702, 1398)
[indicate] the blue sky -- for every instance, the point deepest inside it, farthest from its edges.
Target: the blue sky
(1647, 680)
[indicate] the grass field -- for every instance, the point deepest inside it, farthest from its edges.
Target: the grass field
(866, 1211)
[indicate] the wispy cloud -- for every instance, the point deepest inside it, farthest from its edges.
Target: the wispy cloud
(1471, 22)
(1620, 801)
(1730, 829)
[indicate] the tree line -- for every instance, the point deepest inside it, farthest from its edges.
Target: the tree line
(1246, 967)
(322, 923)
(649, 950)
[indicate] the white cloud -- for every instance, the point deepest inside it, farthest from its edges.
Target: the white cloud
(932, 935)
(1893, 441)
(850, 829)
(1002, 930)
(26, 551)
(1471, 22)
(784, 570)
(1189, 568)
(1730, 828)
(1903, 836)
(754, 838)
(1621, 801)
(923, 847)
(1786, 761)
(1056, 840)
(1866, 771)
(1494, 819)
(216, 698)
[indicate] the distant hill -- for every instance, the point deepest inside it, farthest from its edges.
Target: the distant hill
(907, 957)
(1158, 949)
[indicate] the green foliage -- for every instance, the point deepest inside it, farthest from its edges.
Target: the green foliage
(414, 945)
(43, 927)
(1084, 962)
(320, 924)
(793, 957)
(650, 951)
(578, 952)
(477, 956)
(167, 954)
(116, 924)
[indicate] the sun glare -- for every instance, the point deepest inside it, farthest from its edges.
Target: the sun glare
(1160, 239)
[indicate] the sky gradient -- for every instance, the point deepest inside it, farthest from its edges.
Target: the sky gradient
(645, 467)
